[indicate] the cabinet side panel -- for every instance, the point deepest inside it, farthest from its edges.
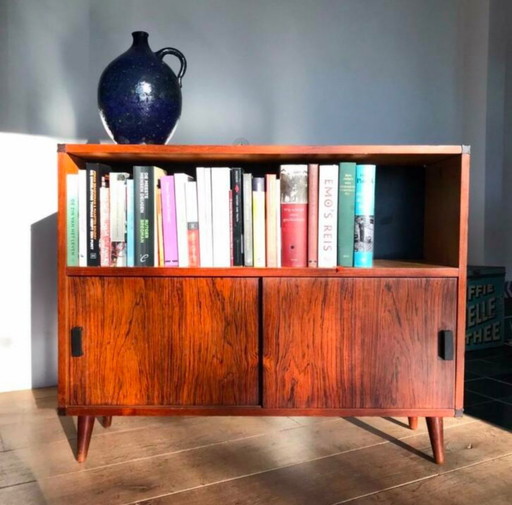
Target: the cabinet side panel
(442, 239)
(305, 349)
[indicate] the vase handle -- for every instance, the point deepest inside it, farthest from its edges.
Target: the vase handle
(170, 50)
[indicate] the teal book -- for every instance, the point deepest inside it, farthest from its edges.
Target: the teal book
(130, 224)
(346, 208)
(72, 219)
(364, 215)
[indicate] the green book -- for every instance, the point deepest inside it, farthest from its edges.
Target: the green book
(72, 219)
(346, 203)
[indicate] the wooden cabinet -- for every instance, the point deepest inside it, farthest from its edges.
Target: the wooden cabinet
(278, 341)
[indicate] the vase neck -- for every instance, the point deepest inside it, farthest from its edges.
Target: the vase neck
(140, 40)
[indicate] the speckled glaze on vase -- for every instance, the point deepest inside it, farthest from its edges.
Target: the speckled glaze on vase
(139, 96)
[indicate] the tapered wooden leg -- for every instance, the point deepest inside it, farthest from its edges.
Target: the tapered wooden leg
(435, 431)
(413, 423)
(85, 426)
(106, 421)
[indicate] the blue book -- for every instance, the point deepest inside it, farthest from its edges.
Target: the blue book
(364, 215)
(130, 225)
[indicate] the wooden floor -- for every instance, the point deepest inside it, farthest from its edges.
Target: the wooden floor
(243, 461)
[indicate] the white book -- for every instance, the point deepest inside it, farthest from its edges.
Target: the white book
(278, 220)
(221, 184)
(204, 210)
(180, 181)
(82, 218)
(258, 221)
(327, 215)
(247, 203)
(118, 217)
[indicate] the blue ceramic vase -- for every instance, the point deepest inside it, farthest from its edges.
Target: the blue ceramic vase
(139, 96)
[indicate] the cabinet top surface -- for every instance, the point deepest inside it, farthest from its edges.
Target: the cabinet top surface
(303, 153)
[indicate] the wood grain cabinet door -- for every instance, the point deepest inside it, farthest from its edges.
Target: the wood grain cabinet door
(164, 341)
(357, 343)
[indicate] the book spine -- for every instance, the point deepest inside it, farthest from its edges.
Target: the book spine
(72, 219)
(180, 181)
(270, 223)
(143, 216)
(258, 221)
(237, 217)
(364, 215)
(169, 221)
(93, 216)
(159, 227)
(313, 215)
(346, 204)
(294, 214)
(82, 218)
(204, 210)
(130, 229)
(118, 218)
(105, 246)
(247, 203)
(220, 216)
(327, 215)
(278, 224)
(192, 224)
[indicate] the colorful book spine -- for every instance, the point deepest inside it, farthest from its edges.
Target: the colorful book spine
(158, 173)
(169, 221)
(258, 221)
(247, 203)
(94, 173)
(143, 216)
(72, 219)
(82, 218)
(327, 215)
(192, 224)
(220, 216)
(180, 181)
(278, 223)
(364, 215)
(294, 214)
(130, 225)
(204, 210)
(270, 223)
(313, 215)
(159, 228)
(237, 216)
(346, 205)
(105, 245)
(118, 218)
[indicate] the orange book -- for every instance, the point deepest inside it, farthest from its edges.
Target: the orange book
(192, 223)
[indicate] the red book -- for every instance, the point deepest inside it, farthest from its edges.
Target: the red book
(294, 215)
(313, 215)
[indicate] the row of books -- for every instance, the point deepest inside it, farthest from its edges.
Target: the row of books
(312, 215)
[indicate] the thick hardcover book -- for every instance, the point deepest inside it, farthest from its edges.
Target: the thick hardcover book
(169, 221)
(271, 220)
(364, 215)
(192, 224)
(247, 203)
(221, 220)
(94, 172)
(105, 245)
(180, 181)
(144, 216)
(204, 210)
(294, 215)
(118, 218)
(258, 221)
(237, 216)
(313, 215)
(327, 215)
(346, 204)
(82, 218)
(130, 226)
(72, 219)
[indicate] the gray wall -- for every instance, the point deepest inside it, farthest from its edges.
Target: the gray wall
(272, 71)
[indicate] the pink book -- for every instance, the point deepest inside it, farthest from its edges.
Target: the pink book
(169, 221)
(105, 246)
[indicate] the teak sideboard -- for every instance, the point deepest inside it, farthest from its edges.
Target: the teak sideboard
(380, 341)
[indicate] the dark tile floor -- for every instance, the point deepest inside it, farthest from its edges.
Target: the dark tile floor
(488, 385)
